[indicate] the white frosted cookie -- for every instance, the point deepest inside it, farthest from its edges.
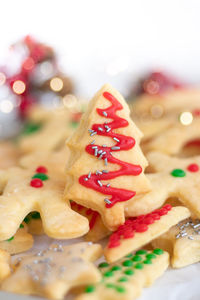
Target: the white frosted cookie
(38, 190)
(125, 279)
(182, 242)
(52, 272)
(139, 231)
(106, 165)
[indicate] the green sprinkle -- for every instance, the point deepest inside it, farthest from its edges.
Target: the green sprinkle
(127, 263)
(35, 215)
(139, 266)
(27, 219)
(178, 173)
(31, 128)
(139, 252)
(129, 272)
(158, 251)
(21, 226)
(110, 285)
(150, 256)
(123, 279)
(90, 289)
(147, 262)
(108, 274)
(115, 268)
(41, 176)
(120, 289)
(136, 258)
(129, 255)
(103, 265)
(10, 239)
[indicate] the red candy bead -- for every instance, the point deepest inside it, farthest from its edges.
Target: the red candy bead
(196, 112)
(41, 169)
(36, 183)
(193, 168)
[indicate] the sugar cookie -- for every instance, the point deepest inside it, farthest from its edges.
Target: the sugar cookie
(125, 279)
(5, 269)
(182, 242)
(106, 167)
(52, 272)
(38, 190)
(139, 231)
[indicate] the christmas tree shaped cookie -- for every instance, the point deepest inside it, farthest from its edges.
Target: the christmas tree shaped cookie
(38, 190)
(106, 165)
(125, 279)
(55, 270)
(182, 242)
(138, 231)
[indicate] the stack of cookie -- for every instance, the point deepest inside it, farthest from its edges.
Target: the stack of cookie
(95, 185)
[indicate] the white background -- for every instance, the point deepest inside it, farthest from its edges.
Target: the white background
(110, 40)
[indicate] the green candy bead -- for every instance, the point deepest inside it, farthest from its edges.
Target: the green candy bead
(129, 255)
(103, 265)
(120, 289)
(147, 262)
(74, 124)
(90, 289)
(150, 256)
(158, 251)
(139, 266)
(41, 176)
(115, 268)
(140, 252)
(10, 239)
(123, 279)
(21, 226)
(108, 274)
(127, 263)
(129, 272)
(35, 215)
(137, 258)
(31, 128)
(27, 219)
(178, 173)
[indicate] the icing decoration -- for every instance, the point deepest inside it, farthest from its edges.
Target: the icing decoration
(41, 169)
(193, 168)
(10, 239)
(124, 269)
(36, 183)
(178, 173)
(196, 112)
(88, 211)
(93, 181)
(38, 178)
(31, 128)
(136, 224)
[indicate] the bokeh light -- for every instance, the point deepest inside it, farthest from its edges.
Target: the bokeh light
(186, 118)
(2, 78)
(29, 64)
(6, 106)
(19, 87)
(157, 111)
(69, 101)
(56, 84)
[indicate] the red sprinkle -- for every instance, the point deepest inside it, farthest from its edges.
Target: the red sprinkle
(136, 224)
(193, 168)
(36, 183)
(196, 112)
(41, 169)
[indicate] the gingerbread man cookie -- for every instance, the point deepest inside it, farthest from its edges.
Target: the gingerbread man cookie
(106, 165)
(38, 190)
(52, 272)
(182, 242)
(139, 231)
(125, 279)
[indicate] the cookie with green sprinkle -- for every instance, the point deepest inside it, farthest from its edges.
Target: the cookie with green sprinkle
(125, 279)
